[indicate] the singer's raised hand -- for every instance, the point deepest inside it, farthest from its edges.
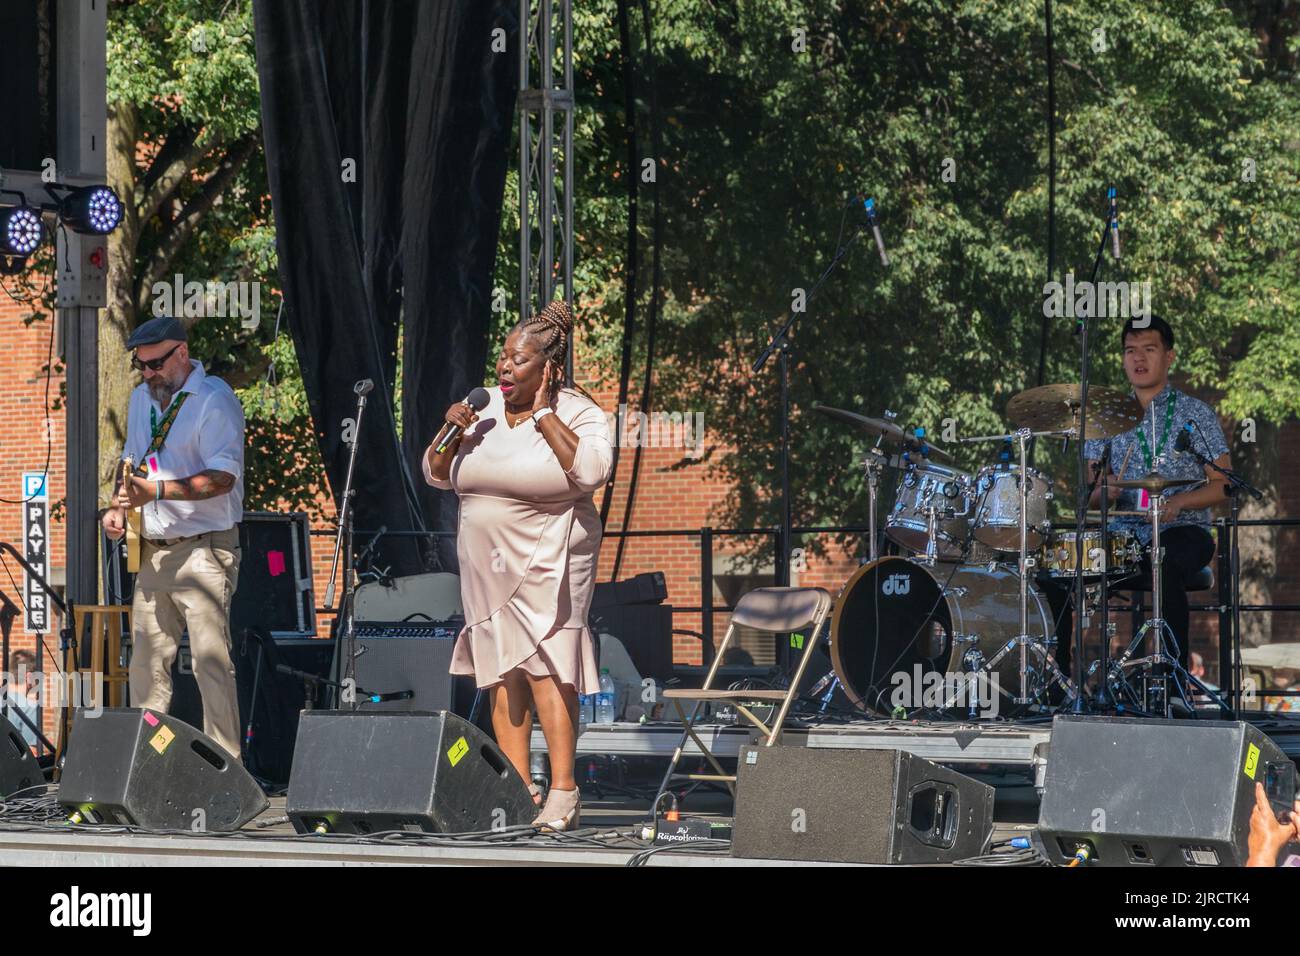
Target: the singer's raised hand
(543, 397)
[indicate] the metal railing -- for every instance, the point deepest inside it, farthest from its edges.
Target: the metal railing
(1229, 662)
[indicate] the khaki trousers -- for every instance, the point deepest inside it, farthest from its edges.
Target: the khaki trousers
(188, 585)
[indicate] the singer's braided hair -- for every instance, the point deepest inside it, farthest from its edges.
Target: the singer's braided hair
(553, 327)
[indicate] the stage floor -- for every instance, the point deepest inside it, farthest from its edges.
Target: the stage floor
(1004, 755)
(278, 845)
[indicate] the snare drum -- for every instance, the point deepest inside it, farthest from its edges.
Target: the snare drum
(1058, 557)
(997, 518)
(946, 489)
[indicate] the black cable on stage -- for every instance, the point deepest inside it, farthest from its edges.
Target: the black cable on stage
(630, 266)
(711, 847)
(655, 289)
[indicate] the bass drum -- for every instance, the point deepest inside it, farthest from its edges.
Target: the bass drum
(897, 621)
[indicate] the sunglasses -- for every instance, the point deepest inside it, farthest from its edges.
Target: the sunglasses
(153, 365)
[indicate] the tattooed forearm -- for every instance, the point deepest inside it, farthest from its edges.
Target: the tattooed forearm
(206, 484)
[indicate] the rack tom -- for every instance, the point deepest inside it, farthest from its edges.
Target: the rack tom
(945, 489)
(997, 513)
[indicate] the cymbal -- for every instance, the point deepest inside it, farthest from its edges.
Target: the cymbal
(1154, 482)
(1056, 408)
(883, 429)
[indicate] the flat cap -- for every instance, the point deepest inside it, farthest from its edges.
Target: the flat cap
(162, 329)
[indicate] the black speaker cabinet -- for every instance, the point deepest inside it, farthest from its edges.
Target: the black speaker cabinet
(18, 768)
(274, 591)
(359, 772)
(142, 768)
(1145, 792)
(856, 806)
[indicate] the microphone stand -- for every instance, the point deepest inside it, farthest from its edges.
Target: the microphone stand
(1081, 500)
(780, 343)
(345, 630)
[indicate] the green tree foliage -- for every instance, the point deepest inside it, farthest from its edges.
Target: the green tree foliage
(186, 157)
(774, 115)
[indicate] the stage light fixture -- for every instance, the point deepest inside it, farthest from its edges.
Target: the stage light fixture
(90, 210)
(21, 231)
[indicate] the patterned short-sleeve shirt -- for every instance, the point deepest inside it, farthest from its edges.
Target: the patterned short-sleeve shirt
(1206, 438)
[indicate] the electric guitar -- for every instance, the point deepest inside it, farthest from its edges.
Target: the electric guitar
(134, 520)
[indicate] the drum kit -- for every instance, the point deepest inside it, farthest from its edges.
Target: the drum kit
(958, 624)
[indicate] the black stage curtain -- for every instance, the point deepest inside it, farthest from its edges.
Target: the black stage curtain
(414, 94)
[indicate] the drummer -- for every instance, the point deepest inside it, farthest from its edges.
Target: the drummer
(1185, 515)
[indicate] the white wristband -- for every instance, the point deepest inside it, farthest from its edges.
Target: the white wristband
(540, 414)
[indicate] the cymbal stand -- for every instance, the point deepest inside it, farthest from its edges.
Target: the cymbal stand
(873, 462)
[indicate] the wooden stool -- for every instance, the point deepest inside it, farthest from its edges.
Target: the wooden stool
(99, 628)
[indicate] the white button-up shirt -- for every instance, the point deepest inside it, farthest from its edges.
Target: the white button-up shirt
(208, 434)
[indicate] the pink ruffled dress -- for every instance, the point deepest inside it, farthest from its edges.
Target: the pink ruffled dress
(528, 541)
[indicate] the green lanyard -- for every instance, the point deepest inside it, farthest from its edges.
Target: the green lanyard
(172, 409)
(1164, 435)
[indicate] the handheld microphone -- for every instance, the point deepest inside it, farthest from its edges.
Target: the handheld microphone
(1114, 222)
(869, 205)
(476, 400)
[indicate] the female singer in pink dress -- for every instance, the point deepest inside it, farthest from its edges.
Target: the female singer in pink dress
(528, 542)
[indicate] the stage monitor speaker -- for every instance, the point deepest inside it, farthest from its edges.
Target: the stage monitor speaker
(856, 806)
(358, 772)
(1147, 792)
(142, 768)
(274, 590)
(18, 768)
(404, 656)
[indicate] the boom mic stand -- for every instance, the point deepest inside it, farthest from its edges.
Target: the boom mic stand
(780, 344)
(1081, 500)
(345, 629)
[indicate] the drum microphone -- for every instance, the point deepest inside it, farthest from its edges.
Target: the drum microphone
(476, 400)
(364, 386)
(1114, 222)
(1183, 442)
(869, 205)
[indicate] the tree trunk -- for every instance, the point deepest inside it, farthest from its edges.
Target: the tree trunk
(1259, 462)
(115, 376)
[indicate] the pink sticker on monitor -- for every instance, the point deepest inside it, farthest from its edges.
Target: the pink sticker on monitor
(275, 563)
(150, 719)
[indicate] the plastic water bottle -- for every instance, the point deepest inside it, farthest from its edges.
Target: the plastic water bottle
(584, 713)
(605, 699)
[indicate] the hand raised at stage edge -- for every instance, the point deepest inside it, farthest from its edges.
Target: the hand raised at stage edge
(1268, 834)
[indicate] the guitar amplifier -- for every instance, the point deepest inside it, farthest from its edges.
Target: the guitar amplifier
(403, 657)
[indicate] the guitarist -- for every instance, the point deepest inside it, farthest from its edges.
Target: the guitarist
(185, 432)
